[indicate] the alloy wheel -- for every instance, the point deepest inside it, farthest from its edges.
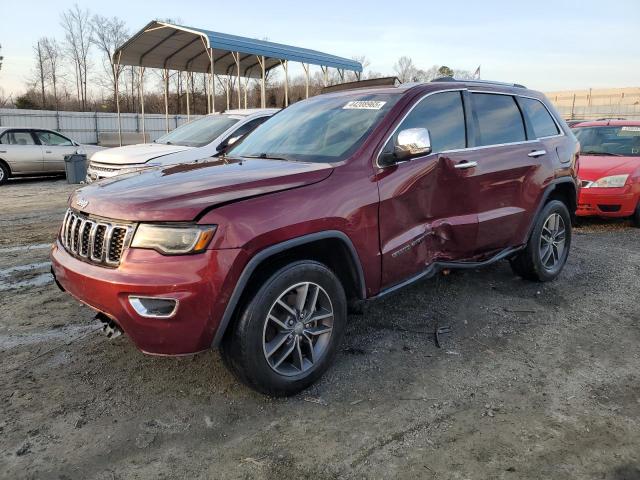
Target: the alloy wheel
(297, 330)
(552, 241)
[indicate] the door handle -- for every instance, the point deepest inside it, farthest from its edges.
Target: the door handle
(47, 151)
(3, 151)
(464, 164)
(537, 153)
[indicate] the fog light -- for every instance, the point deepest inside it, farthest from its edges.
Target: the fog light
(154, 307)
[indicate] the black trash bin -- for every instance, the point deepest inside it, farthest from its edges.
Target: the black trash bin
(75, 167)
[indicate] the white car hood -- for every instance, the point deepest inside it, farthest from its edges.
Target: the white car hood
(136, 154)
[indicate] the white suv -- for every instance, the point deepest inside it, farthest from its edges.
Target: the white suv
(206, 137)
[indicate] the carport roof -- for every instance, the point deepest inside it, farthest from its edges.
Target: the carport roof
(177, 47)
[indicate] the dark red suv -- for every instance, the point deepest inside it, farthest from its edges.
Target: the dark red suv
(340, 198)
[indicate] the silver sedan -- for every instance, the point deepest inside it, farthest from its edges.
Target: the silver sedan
(34, 151)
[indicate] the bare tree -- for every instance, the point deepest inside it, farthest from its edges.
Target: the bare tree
(107, 34)
(77, 27)
(52, 54)
(1, 58)
(5, 100)
(405, 70)
(41, 71)
(364, 61)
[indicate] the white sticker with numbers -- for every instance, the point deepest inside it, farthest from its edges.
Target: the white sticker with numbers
(631, 129)
(364, 105)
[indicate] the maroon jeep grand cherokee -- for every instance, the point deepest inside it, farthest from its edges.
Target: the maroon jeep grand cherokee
(339, 198)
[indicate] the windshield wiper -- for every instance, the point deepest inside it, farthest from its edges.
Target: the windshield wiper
(265, 156)
(595, 152)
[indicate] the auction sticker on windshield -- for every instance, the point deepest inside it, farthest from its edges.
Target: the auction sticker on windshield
(364, 105)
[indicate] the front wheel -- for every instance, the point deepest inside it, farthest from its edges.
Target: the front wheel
(547, 250)
(288, 333)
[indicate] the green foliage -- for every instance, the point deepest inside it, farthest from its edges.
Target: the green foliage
(25, 102)
(445, 71)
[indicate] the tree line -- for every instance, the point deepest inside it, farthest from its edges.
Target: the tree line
(75, 73)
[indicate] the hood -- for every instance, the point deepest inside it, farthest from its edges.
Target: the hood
(135, 154)
(594, 167)
(181, 192)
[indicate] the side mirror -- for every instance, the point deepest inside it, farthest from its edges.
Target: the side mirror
(410, 143)
(227, 143)
(233, 140)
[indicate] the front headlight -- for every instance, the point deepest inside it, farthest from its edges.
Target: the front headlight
(173, 239)
(610, 182)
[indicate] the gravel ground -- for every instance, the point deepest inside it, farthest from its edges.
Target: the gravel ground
(536, 381)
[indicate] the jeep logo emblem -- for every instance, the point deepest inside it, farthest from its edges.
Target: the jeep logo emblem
(82, 202)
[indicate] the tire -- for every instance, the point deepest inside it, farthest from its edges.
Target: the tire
(4, 173)
(534, 262)
(636, 216)
(276, 353)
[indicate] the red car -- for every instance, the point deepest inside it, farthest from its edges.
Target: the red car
(609, 169)
(343, 197)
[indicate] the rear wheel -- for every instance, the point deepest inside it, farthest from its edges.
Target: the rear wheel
(548, 247)
(4, 173)
(289, 331)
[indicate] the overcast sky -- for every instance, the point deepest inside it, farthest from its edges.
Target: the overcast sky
(547, 45)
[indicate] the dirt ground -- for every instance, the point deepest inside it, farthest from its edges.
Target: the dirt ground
(536, 381)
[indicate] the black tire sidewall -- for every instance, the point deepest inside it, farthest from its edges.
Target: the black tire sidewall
(5, 175)
(554, 206)
(249, 330)
(636, 216)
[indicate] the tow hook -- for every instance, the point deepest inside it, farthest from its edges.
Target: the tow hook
(109, 327)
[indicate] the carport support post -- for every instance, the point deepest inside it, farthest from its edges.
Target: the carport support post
(236, 57)
(166, 100)
(306, 78)
(141, 87)
(285, 66)
(325, 72)
(228, 93)
(116, 70)
(212, 83)
(263, 99)
(188, 106)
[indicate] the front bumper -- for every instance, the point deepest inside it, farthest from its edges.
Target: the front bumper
(201, 283)
(607, 202)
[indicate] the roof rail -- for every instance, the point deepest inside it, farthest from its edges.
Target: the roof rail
(482, 82)
(371, 82)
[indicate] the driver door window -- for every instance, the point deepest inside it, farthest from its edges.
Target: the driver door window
(443, 115)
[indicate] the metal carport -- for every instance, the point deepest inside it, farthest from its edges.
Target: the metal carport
(166, 46)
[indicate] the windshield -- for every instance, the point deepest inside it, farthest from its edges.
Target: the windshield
(615, 141)
(322, 129)
(200, 132)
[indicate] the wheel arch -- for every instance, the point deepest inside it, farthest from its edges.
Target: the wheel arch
(563, 189)
(332, 248)
(6, 165)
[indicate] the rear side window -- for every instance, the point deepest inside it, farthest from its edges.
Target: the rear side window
(17, 138)
(443, 115)
(499, 119)
(541, 120)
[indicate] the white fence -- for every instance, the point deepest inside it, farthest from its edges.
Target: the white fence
(629, 112)
(85, 127)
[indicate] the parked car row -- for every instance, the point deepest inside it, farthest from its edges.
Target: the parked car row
(338, 199)
(203, 138)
